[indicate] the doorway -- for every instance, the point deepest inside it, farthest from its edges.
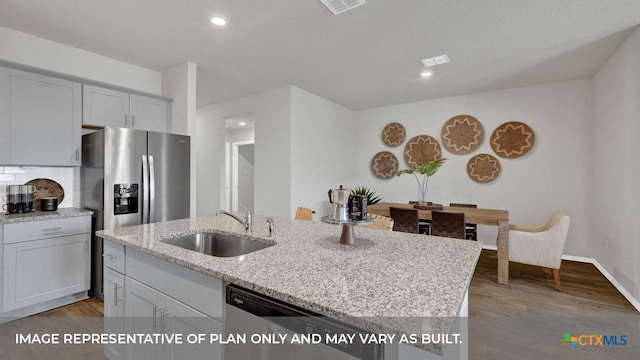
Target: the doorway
(239, 162)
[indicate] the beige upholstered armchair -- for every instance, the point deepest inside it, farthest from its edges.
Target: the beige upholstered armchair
(540, 245)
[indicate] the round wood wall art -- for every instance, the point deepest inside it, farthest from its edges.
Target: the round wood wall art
(512, 139)
(462, 134)
(384, 165)
(483, 168)
(393, 134)
(421, 149)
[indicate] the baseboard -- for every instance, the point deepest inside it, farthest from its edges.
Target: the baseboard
(600, 268)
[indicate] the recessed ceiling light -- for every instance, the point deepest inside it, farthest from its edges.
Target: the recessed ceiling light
(242, 123)
(219, 20)
(436, 60)
(426, 73)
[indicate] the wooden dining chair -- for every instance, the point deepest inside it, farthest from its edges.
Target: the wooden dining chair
(381, 222)
(405, 220)
(304, 213)
(424, 225)
(471, 230)
(448, 224)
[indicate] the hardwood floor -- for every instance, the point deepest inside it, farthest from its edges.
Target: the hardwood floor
(529, 318)
(526, 320)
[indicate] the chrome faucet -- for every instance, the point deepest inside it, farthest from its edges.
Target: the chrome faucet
(272, 228)
(247, 223)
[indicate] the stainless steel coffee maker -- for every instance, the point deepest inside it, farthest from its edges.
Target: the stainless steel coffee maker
(340, 199)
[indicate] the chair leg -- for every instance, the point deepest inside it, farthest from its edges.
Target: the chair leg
(555, 273)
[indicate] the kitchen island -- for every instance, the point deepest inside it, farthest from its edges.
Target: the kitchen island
(383, 277)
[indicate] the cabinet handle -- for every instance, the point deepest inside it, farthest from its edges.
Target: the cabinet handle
(115, 293)
(162, 316)
(77, 155)
(111, 257)
(126, 122)
(155, 317)
(133, 120)
(56, 229)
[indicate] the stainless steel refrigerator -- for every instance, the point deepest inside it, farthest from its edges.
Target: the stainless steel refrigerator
(132, 177)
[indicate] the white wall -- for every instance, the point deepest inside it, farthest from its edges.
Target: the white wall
(246, 159)
(179, 83)
(272, 114)
(323, 146)
(240, 135)
(615, 195)
(29, 50)
(553, 175)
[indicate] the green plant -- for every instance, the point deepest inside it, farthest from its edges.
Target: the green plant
(427, 170)
(371, 194)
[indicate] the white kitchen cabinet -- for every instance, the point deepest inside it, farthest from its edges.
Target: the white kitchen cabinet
(47, 263)
(104, 107)
(114, 310)
(5, 113)
(159, 297)
(149, 113)
(149, 311)
(107, 107)
(42, 270)
(45, 120)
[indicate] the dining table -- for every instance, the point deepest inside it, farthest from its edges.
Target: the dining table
(492, 217)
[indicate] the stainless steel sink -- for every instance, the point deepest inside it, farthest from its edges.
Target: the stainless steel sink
(217, 244)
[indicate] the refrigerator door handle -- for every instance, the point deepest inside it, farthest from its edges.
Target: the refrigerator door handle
(152, 191)
(145, 190)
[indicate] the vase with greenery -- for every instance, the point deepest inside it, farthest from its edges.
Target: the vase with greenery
(427, 170)
(369, 193)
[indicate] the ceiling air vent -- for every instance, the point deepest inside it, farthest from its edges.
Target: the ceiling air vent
(340, 6)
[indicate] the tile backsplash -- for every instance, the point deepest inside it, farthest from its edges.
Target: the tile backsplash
(17, 175)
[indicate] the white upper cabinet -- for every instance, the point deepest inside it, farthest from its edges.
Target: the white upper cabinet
(148, 113)
(5, 113)
(45, 119)
(106, 107)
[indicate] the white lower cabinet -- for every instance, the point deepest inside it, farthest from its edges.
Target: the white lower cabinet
(114, 314)
(151, 312)
(155, 297)
(44, 261)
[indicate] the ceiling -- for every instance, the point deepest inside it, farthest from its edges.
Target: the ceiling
(366, 57)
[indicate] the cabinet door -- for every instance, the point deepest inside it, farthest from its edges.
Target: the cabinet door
(104, 107)
(185, 320)
(5, 119)
(148, 113)
(41, 270)
(45, 120)
(143, 308)
(113, 311)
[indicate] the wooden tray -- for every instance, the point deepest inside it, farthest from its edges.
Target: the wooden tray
(46, 188)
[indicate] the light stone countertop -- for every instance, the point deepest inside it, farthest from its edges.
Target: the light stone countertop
(43, 215)
(384, 276)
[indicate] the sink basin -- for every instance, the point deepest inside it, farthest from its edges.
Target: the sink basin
(217, 244)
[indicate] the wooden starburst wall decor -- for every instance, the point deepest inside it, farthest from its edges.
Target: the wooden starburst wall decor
(384, 165)
(483, 168)
(393, 134)
(512, 139)
(421, 149)
(462, 134)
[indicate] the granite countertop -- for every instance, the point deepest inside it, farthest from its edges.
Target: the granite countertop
(43, 215)
(384, 276)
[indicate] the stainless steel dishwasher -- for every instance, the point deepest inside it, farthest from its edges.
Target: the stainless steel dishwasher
(248, 313)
